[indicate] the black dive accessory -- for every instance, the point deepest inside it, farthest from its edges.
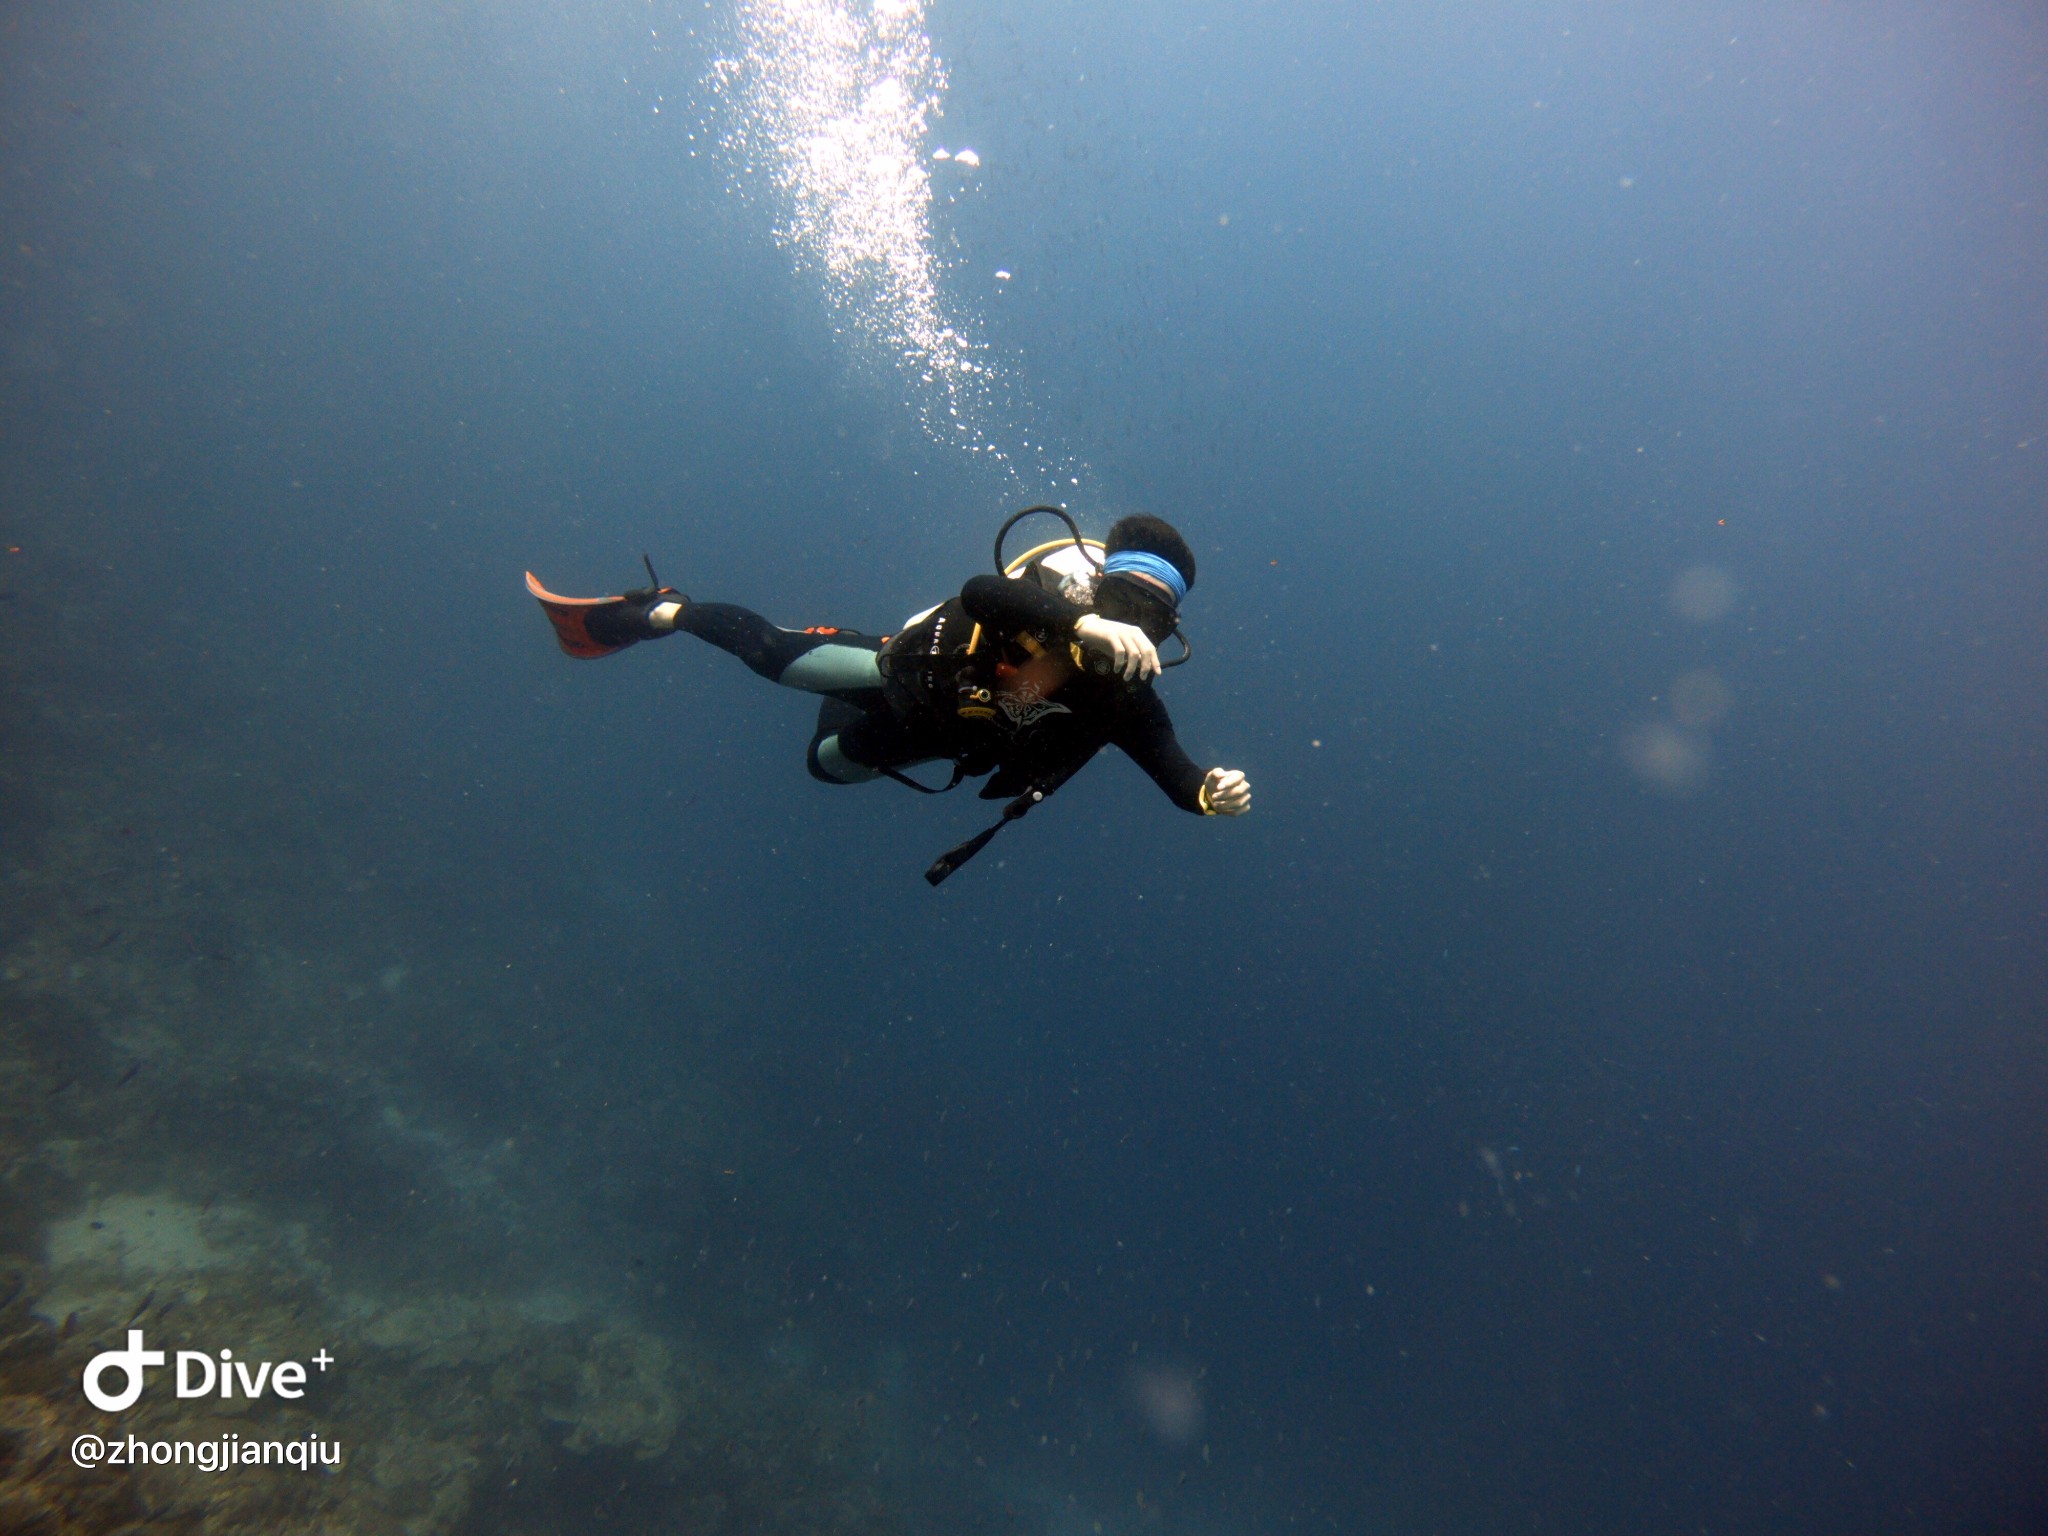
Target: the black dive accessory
(974, 700)
(953, 858)
(1002, 533)
(1097, 664)
(931, 666)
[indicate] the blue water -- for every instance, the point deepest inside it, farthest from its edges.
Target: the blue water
(1573, 1099)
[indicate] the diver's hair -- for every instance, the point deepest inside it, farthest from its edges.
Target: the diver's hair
(1153, 536)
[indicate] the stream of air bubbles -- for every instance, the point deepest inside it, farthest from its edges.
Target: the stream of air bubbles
(832, 104)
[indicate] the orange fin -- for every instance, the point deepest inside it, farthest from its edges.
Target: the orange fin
(567, 614)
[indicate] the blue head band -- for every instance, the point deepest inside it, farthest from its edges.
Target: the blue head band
(1143, 564)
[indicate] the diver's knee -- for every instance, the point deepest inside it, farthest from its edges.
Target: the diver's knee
(831, 766)
(829, 667)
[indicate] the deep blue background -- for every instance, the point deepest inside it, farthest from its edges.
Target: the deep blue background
(1451, 337)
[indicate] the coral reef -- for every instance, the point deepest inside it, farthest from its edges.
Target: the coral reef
(213, 1128)
(438, 1403)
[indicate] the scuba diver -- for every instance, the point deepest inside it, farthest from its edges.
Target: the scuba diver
(1024, 676)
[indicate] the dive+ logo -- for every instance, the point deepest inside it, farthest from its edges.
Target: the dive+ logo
(196, 1372)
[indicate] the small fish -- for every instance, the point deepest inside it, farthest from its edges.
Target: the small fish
(60, 1087)
(123, 1080)
(103, 943)
(144, 1307)
(70, 1326)
(164, 1311)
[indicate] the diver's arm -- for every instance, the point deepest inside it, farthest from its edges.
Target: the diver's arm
(1022, 607)
(1145, 736)
(1019, 607)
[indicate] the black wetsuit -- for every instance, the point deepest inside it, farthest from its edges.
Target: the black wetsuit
(879, 718)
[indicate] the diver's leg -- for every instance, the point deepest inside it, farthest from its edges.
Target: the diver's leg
(853, 744)
(836, 662)
(827, 762)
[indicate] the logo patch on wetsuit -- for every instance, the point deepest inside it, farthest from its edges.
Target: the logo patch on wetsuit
(1022, 704)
